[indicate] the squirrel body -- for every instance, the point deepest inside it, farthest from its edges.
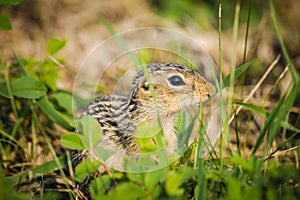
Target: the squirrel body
(158, 93)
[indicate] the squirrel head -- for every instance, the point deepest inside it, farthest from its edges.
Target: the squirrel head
(170, 87)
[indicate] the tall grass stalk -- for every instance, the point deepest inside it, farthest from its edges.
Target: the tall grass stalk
(246, 35)
(241, 82)
(200, 169)
(8, 87)
(233, 66)
(221, 79)
(234, 49)
(224, 128)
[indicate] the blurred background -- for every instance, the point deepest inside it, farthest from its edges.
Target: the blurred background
(35, 21)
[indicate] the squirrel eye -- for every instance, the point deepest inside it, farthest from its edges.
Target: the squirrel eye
(176, 80)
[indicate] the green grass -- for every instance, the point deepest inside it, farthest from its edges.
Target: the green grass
(35, 125)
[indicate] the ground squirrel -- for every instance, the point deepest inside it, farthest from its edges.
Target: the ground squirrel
(161, 90)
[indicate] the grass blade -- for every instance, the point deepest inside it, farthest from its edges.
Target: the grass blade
(238, 72)
(265, 114)
(246, 34)
(43, 169)
(53, 114)
(267, 124)
(284, 50)
(201, 189)
(20, 64)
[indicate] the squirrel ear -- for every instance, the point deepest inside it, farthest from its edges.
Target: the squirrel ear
(145, 86)
(144, 90)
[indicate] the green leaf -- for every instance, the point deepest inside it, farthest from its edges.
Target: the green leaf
(136, 177)
(91, 129)
(238, 72)
(64, 99)
(5, 23)
(74, 141)
(54, 45)
(127, 191)
(85, 168)
(11, 2)
(234, 188)
(53, 114)
(27, 87)
(240, 161)
(173, 185)
(99, 186)
(3, 90)
(155, 177)
(145, 130)
(254, 192)
(9, 191)
(49, 74)
(176, 179)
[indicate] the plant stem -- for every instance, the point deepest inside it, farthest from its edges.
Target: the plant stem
(221, 78)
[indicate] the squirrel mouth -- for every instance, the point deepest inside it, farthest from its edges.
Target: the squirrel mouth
(190, 102)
